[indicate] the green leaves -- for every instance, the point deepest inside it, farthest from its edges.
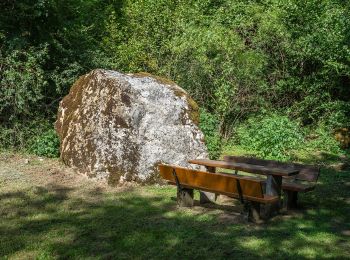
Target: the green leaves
(272, 137)
(209, 125)
(237, 58)
(22, 81)
(323, 140)
(47, 144)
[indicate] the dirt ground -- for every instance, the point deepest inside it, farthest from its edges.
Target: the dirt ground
(23, 171)
(32, 170)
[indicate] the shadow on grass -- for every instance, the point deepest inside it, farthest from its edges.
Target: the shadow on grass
(53, 222)
(324, 159)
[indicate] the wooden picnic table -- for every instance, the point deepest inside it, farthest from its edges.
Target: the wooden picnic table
(274, 174)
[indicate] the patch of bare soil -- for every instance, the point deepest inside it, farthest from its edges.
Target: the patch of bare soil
(22, 170)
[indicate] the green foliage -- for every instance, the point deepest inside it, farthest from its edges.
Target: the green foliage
(9, 139)
(22, 82)
(272, 137)
(209, 125)
(44, 46)
(322, 139)
(46, 144)
(19, 135)
(237, 59)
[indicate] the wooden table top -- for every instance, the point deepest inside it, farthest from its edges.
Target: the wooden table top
(245, 167)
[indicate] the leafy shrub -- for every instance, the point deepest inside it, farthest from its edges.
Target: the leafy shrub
(237, 58)
(209, 125)
(46, 144)
(322, 139)
(22, 82)
(20, 135)
(338, 116)
(271, 137)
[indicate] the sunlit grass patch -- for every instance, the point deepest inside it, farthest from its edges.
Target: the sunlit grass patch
(76, 219)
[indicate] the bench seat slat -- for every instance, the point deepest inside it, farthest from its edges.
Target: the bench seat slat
(294, 186)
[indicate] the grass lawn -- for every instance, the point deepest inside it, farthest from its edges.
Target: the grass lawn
(48, 212)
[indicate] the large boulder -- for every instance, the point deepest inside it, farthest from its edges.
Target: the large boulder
(117, 127)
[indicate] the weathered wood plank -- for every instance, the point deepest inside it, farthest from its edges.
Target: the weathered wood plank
(306, 172)
(251, 168)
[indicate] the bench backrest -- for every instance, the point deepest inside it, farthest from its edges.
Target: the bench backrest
(306, 172)
(220, 183)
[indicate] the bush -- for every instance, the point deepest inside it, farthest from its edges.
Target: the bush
(19, 135)
(22, 82)
(46, 144)
(271, 137)
(322, 139)
(235, 58)
(209, 125)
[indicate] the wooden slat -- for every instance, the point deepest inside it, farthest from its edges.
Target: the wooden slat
(293, 186)
(220, 183)
(251, 168)
(306, 172)
(265, 199)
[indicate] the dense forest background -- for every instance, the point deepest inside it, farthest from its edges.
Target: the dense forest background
(271, 77)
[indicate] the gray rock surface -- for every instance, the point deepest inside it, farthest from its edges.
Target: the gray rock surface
(117, 127)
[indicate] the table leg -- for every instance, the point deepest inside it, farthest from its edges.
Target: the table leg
(210, 169)
(254, 212)
(290, 199)
(185, 197)
(273, 188)
(207, 197)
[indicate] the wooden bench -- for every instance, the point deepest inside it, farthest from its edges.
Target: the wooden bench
(248, 190)
(304, 181)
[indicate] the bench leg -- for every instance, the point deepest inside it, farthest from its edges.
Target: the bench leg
(290, 199)
(254, 212)
(185, 197)
(207, 197)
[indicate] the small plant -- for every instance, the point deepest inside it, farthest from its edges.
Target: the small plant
(46, 144)
(209, 125)
(272, 137)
